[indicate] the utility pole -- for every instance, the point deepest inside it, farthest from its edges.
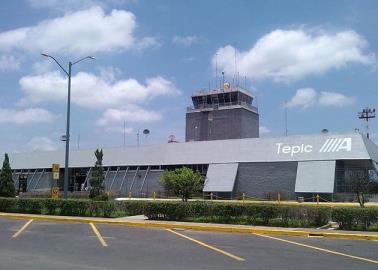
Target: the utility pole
(367, 114)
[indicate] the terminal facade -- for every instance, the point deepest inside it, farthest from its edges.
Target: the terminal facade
(233, 162)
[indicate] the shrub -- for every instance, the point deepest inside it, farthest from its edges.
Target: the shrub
(355, 218)
(97, 189)
(253, 214)
(182, 182)
(7, 188)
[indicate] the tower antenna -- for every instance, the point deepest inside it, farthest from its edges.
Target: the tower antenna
(236, 67)
(216, 70)
(138, 137)
(365, 115)
(124, 134)
(285, 118)
(223, 80)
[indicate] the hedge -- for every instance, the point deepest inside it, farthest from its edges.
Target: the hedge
(253, 214)
(86, 208)
(356, 218)
(349, 218)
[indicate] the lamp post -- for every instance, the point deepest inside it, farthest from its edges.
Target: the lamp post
(67, 137)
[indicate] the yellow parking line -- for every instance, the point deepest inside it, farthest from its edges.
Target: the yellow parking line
(98, 234)
(207, 246)
(320, 249)
(22, 228)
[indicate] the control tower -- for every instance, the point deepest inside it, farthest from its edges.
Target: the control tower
(222, 114)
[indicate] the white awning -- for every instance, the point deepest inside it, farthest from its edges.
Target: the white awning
(315, 176)
(221, 177)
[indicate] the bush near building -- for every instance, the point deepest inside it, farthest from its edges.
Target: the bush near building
(182, 182)
(349, 218)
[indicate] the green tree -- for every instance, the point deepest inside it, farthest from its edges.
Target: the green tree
(7, 188)
(183, 182)
(361, 186)
(97, 179)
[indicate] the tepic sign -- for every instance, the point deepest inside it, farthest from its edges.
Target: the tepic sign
(330, 145)
(293, 149)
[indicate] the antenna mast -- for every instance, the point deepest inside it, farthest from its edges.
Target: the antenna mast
(223, 80)
(236, 68)
(367, 114)
(286, 118)
(216, 70)
(138, 137)
(124, 133)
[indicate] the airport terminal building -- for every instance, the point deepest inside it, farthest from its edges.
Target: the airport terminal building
(233, 162)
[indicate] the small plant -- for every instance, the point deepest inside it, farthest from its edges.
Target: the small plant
(7, 188)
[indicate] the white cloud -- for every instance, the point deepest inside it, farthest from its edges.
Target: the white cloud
(287, 55)
(304, 98)
(335, 99)
(26, 116)
(40, 143)
(186, 40)
(9, 62)
(91, 91)
(264, 130)
(80, 33)
(133, 114)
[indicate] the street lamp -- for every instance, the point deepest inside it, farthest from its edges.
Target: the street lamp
(67, 137)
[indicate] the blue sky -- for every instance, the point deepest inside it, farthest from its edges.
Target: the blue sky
(319, 56)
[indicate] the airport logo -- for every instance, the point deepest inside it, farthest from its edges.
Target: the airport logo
(336, 144)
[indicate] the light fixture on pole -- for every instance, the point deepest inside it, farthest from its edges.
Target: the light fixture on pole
(67, 136)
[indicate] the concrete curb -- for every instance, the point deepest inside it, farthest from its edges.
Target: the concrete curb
(197, 226)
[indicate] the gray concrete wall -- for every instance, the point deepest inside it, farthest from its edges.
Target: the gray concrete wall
(221, 124)
(258, 179)
(249, 124)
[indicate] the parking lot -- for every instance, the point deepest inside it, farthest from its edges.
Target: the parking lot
(32, 244)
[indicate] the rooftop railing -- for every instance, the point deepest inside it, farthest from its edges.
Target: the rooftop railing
(215, 106)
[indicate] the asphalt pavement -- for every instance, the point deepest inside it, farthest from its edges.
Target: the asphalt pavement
(35, 244)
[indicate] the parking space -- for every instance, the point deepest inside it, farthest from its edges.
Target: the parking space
(9, 227)
(51, 245)
(160, 249)
(268, 252)
(361, 248)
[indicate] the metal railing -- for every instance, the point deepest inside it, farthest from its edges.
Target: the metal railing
(219, 105)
